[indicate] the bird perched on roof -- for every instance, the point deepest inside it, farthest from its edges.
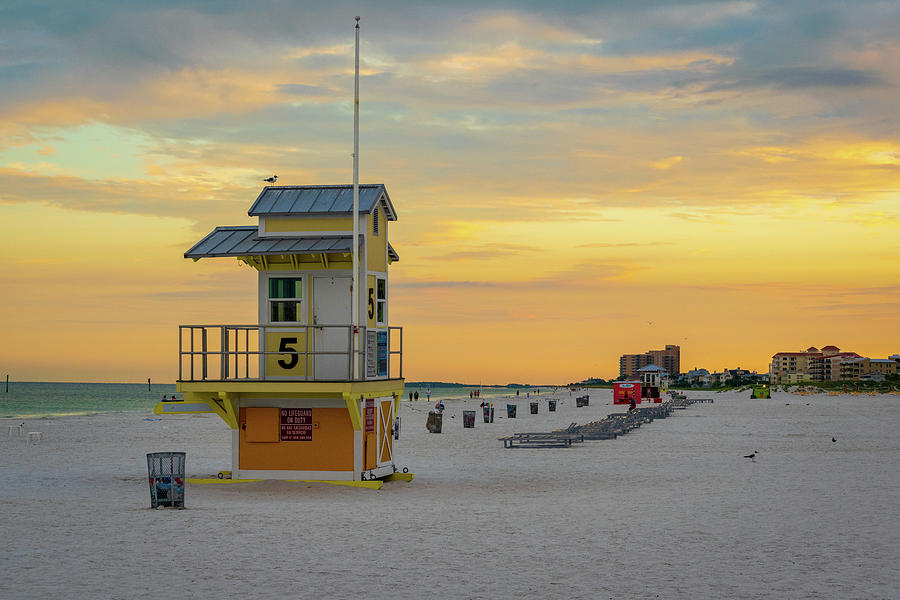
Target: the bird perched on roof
(271, 179)
(752, 456)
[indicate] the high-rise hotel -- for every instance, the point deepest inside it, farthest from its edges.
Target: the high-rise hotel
(669, 359)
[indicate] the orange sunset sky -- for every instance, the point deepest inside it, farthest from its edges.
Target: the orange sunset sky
(573, 180)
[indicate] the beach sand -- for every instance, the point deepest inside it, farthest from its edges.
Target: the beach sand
(671, 510)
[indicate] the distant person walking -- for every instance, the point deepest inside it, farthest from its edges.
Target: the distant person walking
(428, 394)
(417, 394)
(410, 396)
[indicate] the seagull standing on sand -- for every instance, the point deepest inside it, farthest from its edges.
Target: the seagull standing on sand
(833, 440)
(271, 179)
(752, 456)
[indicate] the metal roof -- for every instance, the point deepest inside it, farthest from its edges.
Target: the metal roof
(284, 200)
(244, 241)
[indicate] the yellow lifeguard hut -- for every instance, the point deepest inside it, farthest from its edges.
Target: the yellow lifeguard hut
(654, 382)
(308, 393)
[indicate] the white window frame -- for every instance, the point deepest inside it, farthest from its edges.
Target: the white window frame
(266, 308)
(379, 301)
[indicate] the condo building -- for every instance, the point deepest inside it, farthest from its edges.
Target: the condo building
(827, 364)
(669, 359)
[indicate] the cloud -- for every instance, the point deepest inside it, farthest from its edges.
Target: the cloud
(583, 276)
(790, 78)
(196, 202)
(483, 252)
(623, 245)
(300, 89)
(666, 163)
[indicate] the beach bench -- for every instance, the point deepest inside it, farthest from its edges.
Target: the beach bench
(604, 429)
(554, 439)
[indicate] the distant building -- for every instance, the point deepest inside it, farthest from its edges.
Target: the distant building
(703, 377)
(669, 359)
(697, 377)
(827, 364)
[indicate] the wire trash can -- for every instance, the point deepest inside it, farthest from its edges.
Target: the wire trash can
(166, 475)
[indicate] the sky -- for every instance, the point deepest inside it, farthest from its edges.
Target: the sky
(573, 180)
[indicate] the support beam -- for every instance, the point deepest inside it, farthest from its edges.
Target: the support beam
(224, 406)
(353, 409)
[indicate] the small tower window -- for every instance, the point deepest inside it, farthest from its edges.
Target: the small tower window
(375, 222)
(285, 299)
(381, 293)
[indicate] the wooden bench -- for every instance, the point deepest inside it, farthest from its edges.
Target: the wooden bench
(600, 430)
(552, 439)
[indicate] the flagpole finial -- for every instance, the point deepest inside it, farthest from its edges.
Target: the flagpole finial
(357, 22)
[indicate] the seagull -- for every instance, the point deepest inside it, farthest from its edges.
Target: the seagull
(271, 179)
(833, 440)
(752, 456)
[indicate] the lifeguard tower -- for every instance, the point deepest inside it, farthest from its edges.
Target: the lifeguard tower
(308, 393)
(654, 382)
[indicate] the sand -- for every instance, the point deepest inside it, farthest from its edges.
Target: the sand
(671, 510)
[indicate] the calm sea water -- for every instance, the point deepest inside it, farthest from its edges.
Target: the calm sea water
(26, 399)
(48, 399)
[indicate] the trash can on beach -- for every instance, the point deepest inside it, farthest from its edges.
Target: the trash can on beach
(435, 421)
(510, 411)
(487, 410)
(468, 419)
(534, 408)
(551, 405)
(166, 474)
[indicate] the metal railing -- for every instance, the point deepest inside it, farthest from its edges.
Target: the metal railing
(287, 353)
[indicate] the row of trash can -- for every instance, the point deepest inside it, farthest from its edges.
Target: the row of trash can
(436, 418)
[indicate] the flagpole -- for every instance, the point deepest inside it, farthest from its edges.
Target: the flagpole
(354, 244)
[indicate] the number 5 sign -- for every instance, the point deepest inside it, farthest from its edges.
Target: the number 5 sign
(285, 348)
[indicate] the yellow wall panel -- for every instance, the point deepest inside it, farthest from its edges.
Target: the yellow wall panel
(376, 252)
(283, 224)
(286, 365)
(371, 302)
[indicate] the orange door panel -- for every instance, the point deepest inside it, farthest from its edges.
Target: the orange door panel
(331, 447)
(371, 450)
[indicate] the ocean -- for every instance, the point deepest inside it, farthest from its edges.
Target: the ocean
(39, 399)
(46, 399)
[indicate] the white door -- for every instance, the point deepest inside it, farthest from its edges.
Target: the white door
(385, 432)
(331, 306)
